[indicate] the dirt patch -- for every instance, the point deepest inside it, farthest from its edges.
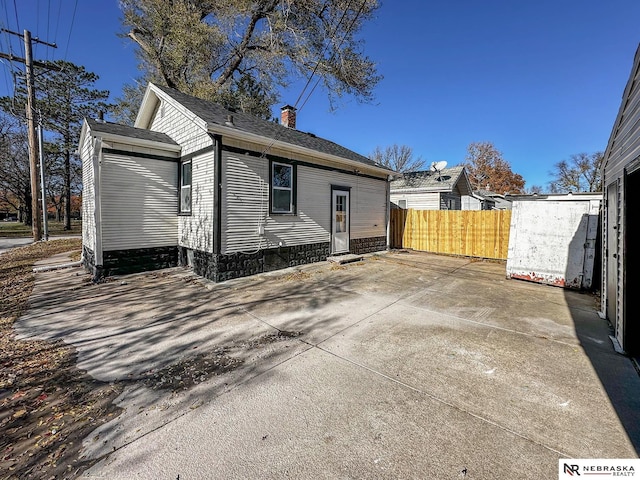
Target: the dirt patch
(48, 406)
(199, 368)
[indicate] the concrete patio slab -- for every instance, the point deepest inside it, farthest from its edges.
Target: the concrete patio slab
(405, 365)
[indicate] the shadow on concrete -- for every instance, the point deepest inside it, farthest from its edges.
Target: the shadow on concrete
(616, 372)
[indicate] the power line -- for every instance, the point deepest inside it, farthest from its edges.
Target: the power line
(55, 34)
(73, 17)
(320, 56)
(15, 9)
(346, 33)
(315, 69)
(334, 53)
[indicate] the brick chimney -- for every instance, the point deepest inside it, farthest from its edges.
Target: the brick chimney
(288, 116)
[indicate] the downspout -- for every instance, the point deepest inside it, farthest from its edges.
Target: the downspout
(388, 213)
(97, 174)
(217, 195)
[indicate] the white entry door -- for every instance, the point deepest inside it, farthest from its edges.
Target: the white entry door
(340, 221)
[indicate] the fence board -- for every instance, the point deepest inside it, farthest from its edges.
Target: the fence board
(472, 233)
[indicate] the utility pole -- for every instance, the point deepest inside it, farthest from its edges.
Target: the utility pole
(33, 146)
(36, 219)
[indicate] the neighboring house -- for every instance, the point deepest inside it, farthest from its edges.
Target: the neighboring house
(429, 190)
(493, 200)
(485, 200)
(226, 193)
(477, 201)
(621, 182)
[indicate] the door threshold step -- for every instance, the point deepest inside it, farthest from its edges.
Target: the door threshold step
(341, 259)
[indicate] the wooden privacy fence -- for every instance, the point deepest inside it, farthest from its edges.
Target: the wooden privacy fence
(471, 233)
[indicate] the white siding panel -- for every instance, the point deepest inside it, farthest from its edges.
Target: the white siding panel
(139, 202)
(195, 231)
(88, 194)
(418, 201)
(623, 148)
(184, 128)
(625, 141)
(246, 206)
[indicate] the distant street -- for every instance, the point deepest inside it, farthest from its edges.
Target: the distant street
(9, 243)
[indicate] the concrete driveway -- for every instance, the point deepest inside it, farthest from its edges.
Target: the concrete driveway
(405, 365)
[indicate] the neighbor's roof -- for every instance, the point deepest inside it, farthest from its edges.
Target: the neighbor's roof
(214, 114)
(445, 180)
(487, 193)
(99, 126)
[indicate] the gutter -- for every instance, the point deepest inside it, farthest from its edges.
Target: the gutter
(260, 140)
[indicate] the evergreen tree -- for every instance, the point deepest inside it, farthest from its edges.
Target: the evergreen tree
(65, 94)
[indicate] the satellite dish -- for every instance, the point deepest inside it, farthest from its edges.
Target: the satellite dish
(438, 167)
(441, 165)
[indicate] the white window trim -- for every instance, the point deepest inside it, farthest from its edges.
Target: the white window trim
(183, 187)
(289, 189)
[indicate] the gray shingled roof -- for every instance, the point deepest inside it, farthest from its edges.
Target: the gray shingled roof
(427, 180)
(213, 113)
(127, 131)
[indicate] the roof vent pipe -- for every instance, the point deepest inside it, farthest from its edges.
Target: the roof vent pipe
(229, 122)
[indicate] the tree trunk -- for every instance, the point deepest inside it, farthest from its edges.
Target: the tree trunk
(28, 216)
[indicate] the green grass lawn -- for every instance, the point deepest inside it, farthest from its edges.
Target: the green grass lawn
(17, 229)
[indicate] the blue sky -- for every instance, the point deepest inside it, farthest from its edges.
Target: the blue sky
(541, 80)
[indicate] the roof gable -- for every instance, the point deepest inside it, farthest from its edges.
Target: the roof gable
(428, 181)
(220, 120)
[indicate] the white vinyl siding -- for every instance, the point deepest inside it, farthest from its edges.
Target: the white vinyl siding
(139, 202)
(245, 206)
(184, 128)
(623, 148)
(195, 231)
(88, 193)
(418, 201)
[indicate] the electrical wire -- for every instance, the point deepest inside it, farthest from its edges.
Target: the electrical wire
(73, 17)
(334, 54)
(347, 32)
(315, 69)
(15, 8)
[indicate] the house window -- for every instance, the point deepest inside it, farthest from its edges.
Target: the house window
(185, 187)
(282, 188)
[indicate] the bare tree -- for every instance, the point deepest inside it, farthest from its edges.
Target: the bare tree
(398, 158)
(241, 52)
(15, 184)
(580, 173)
(533, 189)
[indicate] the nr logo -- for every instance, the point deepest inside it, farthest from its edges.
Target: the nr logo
(571, 469)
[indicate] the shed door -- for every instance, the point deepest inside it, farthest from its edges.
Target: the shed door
(340, 221)
(612, 254)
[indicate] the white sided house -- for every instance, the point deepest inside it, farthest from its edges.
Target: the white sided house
(621, 186)
(225, 193)
(431, 190)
